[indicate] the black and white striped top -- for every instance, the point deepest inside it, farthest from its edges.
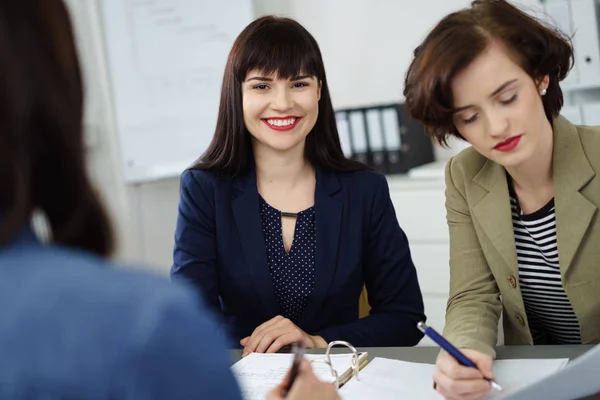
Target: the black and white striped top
(549, 312)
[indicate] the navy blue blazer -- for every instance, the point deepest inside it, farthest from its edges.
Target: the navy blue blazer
(220, 248)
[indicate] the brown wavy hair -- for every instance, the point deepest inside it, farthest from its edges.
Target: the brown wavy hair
(462, 36)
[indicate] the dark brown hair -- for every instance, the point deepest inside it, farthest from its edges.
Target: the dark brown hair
(42, 164)
(272, 45)
(462, 36)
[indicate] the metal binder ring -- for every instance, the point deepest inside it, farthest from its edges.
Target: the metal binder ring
(355, 362)
(334, 373)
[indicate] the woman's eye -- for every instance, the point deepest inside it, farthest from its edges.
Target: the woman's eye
(508, 101)
(470, 120)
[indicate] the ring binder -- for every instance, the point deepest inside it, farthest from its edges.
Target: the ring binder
(355, 365)
(257, 372)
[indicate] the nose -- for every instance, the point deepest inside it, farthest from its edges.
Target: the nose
(497, 124)
(282, 100)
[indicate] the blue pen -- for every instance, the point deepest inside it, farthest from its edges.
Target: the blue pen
(453, 351)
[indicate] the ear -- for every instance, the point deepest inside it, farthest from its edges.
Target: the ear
(543, 82)
(319, 90)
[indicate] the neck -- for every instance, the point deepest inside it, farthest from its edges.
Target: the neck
(536, 173)
(283, 169)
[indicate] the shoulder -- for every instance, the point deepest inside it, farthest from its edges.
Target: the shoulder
(202, 188)
(465, 165)
(462, 168)
(98, 316)
(364, 181)
(112, 291)
(588, 132)
(590, 141)
(195, 179)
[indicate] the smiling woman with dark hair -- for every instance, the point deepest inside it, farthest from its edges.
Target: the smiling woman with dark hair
(277, 229)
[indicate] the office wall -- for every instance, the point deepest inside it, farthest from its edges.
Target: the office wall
(376, 39)
(102, 146)
(366, 44)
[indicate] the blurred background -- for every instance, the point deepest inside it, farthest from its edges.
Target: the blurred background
(153, 72)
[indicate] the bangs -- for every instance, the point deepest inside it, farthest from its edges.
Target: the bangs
(280, 48)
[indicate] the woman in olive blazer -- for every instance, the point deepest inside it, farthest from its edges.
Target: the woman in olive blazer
(522, 201)
(483, 261)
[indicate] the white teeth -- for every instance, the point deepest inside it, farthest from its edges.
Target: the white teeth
(281, 122)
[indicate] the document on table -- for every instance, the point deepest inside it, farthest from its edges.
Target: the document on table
(393, 379)
(578, 379)
(257, 373)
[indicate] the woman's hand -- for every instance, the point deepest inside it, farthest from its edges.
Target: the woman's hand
(276, 333)
(455, 381)
(305, 386)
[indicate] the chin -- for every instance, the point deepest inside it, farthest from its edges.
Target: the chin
(283, 141)
(279, 146)
(512, 160)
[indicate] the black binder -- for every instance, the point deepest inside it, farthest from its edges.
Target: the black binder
(384, 137)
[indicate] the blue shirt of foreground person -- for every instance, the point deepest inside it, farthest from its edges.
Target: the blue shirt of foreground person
(71, 327)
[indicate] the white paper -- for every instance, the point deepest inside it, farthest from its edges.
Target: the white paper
(580, 378)
(258, 373)
(393, 379)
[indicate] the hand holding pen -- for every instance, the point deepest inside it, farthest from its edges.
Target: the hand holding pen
(465, 373)
(298, 351)
(302, 383)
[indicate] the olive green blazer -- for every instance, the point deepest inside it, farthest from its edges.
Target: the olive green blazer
(484, 276)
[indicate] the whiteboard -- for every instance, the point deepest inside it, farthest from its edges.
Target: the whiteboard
(166, 60)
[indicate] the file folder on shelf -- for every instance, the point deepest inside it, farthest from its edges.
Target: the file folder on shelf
(383, 137)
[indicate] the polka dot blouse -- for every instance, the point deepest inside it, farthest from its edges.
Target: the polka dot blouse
(292, 273)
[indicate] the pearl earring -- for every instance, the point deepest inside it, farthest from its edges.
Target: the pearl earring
(543, 92)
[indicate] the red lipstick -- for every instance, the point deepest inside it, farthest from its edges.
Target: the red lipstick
(282, 127)
(509, 144)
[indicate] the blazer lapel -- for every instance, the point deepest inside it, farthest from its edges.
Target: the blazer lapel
(493, 212)
(246, 211)
(328, 212)
(572, 171)
(574, 213)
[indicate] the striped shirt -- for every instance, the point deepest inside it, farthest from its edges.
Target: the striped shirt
(549, 312)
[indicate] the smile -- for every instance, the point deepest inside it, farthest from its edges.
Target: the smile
(282, 124)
